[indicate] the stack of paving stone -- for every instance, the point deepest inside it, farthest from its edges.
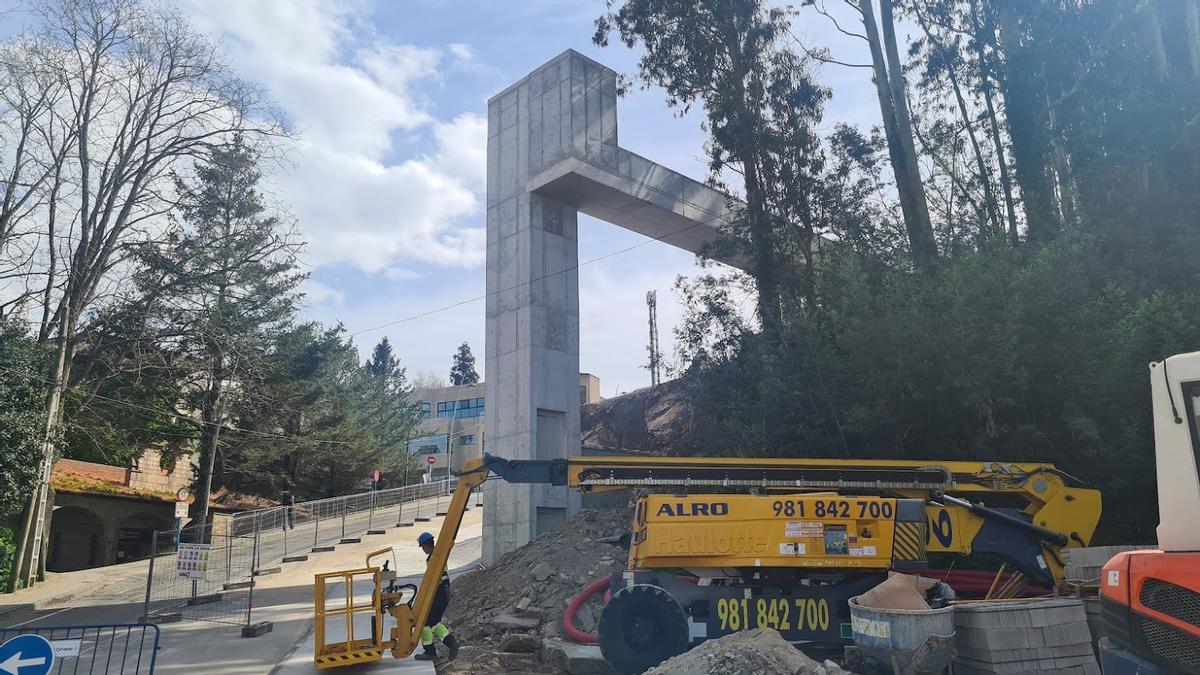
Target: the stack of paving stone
(1084, 567)
(1086, 564)
(1034, 636)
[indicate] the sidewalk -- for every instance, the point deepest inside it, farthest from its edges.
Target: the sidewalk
(114, 595)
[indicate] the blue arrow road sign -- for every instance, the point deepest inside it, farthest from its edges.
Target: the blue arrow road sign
(26, 655)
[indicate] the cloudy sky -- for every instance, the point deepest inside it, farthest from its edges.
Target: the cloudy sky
(387, 179)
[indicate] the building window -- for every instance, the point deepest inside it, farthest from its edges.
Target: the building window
(582, 394)
(428, 445)
(424, 410)
(466, 408)
(466, 439)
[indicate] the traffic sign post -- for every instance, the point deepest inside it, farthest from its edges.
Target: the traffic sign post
(181, 510)
(26, 655)
(374, 490)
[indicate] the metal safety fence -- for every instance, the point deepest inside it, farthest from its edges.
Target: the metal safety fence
(207, 572)
(201, 572)
(113, 649)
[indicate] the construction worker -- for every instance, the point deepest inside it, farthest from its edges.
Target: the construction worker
(434, 628)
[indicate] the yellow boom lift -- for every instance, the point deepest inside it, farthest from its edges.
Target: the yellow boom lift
(782, 543)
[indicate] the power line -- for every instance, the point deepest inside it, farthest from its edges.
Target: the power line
(613, 254)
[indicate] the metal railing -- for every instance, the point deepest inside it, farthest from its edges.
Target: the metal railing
(233, 552)
(293, 530)
(112, 649)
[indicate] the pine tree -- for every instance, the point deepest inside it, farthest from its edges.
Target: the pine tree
(463, 370)
(383, 361)
(222, 286)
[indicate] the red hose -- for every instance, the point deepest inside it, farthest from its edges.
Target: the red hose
(579, 636)
(573, 633)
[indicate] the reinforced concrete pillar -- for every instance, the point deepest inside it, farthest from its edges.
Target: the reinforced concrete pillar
(566, 108)
(553, 153)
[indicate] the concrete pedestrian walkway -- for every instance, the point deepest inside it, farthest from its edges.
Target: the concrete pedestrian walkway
(114, 595)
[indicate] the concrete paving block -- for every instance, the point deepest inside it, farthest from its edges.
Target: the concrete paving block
(257, 629)
(1052, 615)
(169, 617)
(1069, 661)
(1066, 634)
(1079, 650)
(963, 665)
(205, 599)
(995, 656)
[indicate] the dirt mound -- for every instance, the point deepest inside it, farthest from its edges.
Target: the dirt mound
(753, 652)
(527, 591)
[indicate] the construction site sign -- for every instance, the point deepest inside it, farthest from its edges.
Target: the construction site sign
(192, 561)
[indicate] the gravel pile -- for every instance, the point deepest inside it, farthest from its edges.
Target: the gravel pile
(526, 592)
(753, 652)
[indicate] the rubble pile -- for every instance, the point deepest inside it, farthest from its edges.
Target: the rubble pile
(752, 652)
(506, 611)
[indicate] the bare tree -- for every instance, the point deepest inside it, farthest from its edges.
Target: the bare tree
(30, 160)
(142, 95)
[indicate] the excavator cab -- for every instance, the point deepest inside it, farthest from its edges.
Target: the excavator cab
(1150, 599)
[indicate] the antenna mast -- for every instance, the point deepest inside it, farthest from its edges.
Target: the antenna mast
(655, 355)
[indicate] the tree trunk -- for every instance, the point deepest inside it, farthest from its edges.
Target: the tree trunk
(210, 439)
(1025, 107)
(762, 236)
(24, 569)
(984, 34)
(991, 206)
(898, 129)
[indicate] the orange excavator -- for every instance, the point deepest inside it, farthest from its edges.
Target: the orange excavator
(1150, 600)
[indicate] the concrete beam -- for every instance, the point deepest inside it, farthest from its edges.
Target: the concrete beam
(553, 153)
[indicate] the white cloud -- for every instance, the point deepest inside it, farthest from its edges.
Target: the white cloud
(462, 148)
(463, 53)
(317, 293)
(401, 274)
(362, 197)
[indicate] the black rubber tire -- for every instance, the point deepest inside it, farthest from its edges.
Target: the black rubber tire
(641, 627)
